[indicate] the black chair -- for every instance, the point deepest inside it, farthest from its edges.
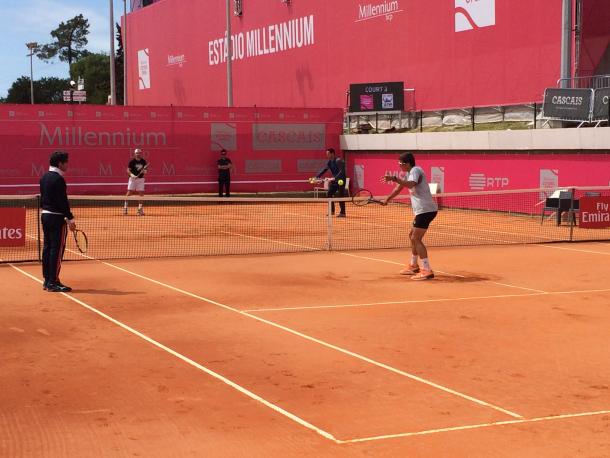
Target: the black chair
(564, 203)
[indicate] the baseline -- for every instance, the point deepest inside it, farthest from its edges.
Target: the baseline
(470, 427)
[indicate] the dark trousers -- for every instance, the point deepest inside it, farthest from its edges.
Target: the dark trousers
(55, 231)
(334, 188)
(224, 183)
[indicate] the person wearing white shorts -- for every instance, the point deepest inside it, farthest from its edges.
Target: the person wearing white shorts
(136, 169)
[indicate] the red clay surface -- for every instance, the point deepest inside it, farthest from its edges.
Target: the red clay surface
(337, 340)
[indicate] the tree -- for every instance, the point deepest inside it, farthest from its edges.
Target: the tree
(119, 65)
(95, 69)
(46, 90)
(70, 41)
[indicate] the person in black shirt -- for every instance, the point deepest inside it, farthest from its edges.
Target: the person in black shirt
(136, 169)
(336, 165)
(224, 174)
(55, 212)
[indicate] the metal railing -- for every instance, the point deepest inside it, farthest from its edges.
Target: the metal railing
(585, 82)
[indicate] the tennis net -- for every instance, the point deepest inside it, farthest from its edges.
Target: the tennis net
(200, 226)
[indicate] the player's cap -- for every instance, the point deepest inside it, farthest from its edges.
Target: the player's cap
(137, 151)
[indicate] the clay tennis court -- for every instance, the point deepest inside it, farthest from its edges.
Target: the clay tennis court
(504, 353)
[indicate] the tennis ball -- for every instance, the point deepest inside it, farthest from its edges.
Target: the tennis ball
(340, 182)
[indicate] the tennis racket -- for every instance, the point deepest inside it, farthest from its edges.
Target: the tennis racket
(141, 174)
(364, 197)
(80, 238)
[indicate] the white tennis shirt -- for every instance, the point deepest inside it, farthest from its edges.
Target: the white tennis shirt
(421, 197)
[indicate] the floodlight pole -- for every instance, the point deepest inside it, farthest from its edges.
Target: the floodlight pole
(31, 46)
(112, 69)
(229, 54)
(566, 44)
(124, 52)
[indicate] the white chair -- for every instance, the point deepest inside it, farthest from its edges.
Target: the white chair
(323, 188)
(347, 193)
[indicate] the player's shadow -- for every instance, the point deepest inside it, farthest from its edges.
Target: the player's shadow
(463, 277)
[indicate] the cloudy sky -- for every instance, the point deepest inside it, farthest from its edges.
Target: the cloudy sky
(23, 21)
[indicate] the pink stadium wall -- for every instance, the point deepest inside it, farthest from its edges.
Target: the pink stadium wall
(467, 171)
(483, 52)
(182, 145)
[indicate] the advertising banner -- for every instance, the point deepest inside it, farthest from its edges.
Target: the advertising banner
(266, 145)
(594, 212)
(12, 227)
(601, 108)
(568, 104)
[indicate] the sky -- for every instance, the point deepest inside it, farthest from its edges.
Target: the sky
(24, 21)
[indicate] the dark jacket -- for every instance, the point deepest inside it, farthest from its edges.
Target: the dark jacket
(53, 194)
(336, 167)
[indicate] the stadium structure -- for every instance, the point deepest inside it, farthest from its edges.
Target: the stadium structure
(451, 54)
(461, 63)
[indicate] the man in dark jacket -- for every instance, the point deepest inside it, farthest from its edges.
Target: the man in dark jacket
(55, 212)
(224, 173)
(336, 185)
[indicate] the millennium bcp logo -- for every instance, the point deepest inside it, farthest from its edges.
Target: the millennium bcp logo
(178, 60)
(474, 14)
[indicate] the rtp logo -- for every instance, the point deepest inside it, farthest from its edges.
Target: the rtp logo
(480, 182)
(474, 14)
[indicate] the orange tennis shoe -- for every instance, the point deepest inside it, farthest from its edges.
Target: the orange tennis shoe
(410, 269)
(423, 275)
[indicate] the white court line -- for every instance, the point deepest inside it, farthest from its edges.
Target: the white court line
(189, 361)
(479, 426)
(273, 241)
(425, 301)
(459, 231)
(322, 343)
(366, 304)
(574, 249)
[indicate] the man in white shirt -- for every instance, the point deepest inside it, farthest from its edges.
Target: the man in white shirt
(136, 169)
(424, 209)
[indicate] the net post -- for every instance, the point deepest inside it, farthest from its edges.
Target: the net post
(38, 223)
(330, 225)
(572, 214)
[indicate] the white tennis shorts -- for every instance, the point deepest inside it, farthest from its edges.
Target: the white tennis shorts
(135, 184)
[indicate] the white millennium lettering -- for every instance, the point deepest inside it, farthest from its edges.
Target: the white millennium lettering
(370, 10)
(76, 136)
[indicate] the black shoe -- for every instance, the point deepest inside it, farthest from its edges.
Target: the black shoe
(45, 285)
(341, 215)
(58, 288)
